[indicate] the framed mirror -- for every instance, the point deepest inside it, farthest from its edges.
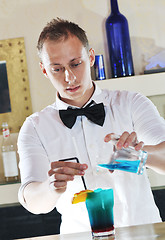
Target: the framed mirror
(15, 100)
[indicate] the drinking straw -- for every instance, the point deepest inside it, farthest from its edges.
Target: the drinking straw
(78, 157)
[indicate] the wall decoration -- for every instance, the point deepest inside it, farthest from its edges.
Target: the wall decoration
(18, 103)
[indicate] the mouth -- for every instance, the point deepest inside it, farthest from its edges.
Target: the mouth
(72, 88)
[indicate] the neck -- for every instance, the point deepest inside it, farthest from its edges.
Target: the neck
(114, 7)
(80, 102)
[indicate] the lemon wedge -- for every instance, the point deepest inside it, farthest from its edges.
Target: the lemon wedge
(81, 196)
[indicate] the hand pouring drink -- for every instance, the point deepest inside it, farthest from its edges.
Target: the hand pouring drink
(126, 159)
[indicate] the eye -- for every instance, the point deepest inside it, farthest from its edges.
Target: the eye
(75, 64)
(57, 69)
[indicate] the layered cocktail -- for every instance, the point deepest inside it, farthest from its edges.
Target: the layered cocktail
(99, 205)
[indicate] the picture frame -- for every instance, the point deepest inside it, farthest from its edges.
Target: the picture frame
(12, 52)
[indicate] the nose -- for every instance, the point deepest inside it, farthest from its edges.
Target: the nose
(69, 76)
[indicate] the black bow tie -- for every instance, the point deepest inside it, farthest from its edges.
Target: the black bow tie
(95, 113)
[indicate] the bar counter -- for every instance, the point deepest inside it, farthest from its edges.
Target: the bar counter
(140, 232)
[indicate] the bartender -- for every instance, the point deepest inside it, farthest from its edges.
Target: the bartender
(88, 115)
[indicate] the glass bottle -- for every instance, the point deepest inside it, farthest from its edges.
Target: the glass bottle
(125, 159)
(9, 156)
(119, 43)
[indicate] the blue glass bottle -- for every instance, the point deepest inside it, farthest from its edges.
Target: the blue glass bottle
(119, 43)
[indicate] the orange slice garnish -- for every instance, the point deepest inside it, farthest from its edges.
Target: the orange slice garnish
(81, 196)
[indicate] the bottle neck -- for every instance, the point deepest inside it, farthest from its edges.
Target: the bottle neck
(114, 7)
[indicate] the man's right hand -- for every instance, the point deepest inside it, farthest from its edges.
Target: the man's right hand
(62, 172)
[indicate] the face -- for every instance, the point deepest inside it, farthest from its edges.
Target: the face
(67, 64)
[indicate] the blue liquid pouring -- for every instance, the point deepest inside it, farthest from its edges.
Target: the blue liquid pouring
(124, 165)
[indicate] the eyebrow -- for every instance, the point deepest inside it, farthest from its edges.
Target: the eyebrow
(59, 64)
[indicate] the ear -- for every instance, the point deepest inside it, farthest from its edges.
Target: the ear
(92, 56)
(43, 69)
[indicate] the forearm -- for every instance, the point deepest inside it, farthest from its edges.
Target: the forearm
(40, 198)
(156, 157)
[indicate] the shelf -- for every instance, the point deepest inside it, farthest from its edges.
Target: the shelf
(2, 183)
(148, 84)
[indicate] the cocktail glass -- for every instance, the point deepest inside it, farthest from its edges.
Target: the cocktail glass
(100, 211)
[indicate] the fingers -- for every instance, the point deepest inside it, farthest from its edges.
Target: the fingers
(58, 181)
(62, 172)
(139, 146)
(68, 168)
(57, 176)
(125, 140)
(110, 136)
(58, 186)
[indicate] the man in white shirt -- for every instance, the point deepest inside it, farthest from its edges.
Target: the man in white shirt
(45, 137)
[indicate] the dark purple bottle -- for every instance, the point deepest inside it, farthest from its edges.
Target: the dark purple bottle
(119, 43)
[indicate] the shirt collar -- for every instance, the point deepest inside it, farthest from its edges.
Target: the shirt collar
(97, 97)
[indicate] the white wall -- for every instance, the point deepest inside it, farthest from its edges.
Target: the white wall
(26, 18)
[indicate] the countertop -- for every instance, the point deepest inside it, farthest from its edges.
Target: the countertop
(140, 232)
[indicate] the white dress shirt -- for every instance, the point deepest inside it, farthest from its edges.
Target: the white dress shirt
(43, 138)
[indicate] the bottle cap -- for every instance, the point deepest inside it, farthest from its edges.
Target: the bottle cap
(4, 125)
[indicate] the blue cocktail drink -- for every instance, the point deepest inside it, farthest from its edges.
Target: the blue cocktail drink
(100, 210)
(124, 165)
(127, 159)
